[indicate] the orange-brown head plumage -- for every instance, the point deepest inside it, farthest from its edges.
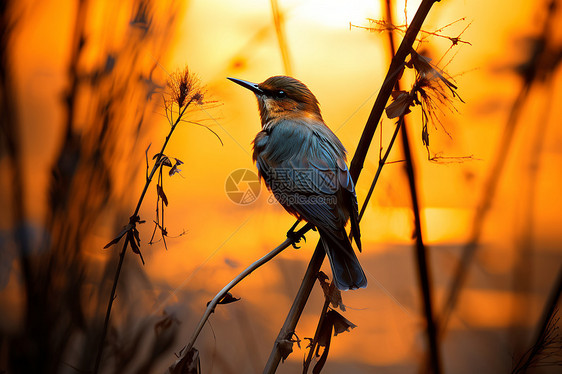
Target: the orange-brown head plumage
(283, 96)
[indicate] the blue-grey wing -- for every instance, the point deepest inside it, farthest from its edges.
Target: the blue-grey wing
(304, 166)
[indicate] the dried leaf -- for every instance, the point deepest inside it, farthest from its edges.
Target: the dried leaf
(133, 220)
(400, 106)
(335, 322)
(325, 333)
(426, 70)
(134, 240)
(339, 322)
(119, 236)
(188, 364)
(322, 278)
(285, 348)
(114, 241)
(134, 245)
(166, 161)
(174, 170)
(161, 193)
(227, 299)
(331, 292)
(136, 235)
(425, 135)
(397, 93)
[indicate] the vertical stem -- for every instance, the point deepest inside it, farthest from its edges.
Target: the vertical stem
(110, 304)
(423, 270)
(296, 309)
(382, 162)
(124, 250)
(421, 258)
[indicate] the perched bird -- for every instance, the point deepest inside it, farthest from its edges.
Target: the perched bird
(304, 164)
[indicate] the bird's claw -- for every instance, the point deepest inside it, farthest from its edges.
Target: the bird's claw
(295, 237)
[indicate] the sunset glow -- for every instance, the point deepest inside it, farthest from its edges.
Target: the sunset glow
(93, 90)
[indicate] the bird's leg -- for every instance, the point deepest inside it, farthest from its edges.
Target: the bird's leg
(295, 236)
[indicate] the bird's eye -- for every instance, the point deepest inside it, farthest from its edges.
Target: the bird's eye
(280, 94)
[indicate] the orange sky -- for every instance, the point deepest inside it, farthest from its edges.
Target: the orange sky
(344, 67)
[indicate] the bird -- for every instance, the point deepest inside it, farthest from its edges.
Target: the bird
(303, 163)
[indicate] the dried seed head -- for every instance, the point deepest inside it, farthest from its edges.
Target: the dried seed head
(185, 88)
(426, 70)
(198, 97)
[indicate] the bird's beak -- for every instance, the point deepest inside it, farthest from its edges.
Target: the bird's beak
(249, 85)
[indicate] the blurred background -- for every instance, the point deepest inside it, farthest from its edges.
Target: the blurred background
(82, 87)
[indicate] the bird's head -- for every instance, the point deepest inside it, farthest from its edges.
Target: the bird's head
(281, 96)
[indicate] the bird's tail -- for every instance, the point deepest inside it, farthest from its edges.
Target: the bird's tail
(346, 270)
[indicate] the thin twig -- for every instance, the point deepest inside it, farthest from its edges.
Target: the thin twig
(160, 155)
(213, 303)
(382, 162)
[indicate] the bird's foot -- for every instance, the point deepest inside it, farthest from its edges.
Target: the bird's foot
(295, 236)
